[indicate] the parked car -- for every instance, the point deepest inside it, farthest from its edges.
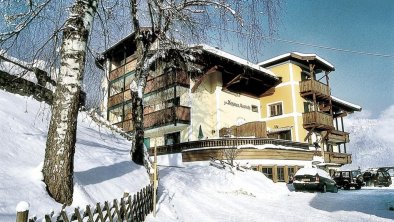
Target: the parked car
(314, 179)
(377, 177)
(349, 178)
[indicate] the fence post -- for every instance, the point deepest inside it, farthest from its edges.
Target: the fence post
(154, 181)
(22, 211)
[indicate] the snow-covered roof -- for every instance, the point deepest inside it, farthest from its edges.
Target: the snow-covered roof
(349, 105)
(297, 55)
(236, 59)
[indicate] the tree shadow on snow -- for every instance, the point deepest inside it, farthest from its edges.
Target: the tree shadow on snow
(96, 145)
(371, 202)
(104, 173)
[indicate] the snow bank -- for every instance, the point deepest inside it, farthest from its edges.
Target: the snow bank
(102, 165)
(206, 193)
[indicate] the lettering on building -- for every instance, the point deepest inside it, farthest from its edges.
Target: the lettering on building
(239, 105)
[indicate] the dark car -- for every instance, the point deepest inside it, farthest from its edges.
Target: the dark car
(377, 177)
(349, 178)
(314, 179)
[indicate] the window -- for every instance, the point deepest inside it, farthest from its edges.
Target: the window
(173, 102)
(267, 171)
(147, 143)
(172, 138)
(275, 109)
(116, 86)
(290, 171)
(305, 75)
(281, 174)
(115, 115)
(127, 111)
(128, 79)
(284, 135)
(255, 109)
(308, 107)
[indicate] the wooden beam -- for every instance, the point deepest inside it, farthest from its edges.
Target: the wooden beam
(233, 81)
(309, 134)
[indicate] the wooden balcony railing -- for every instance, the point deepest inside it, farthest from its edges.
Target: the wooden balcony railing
(227, 142)
(256, 129)
(308, 87)
(165, 116)
(336, 136)
(159, 118)
(166, 80)
(339, 158)
(317, 120)
(115, 99)
(123, 69)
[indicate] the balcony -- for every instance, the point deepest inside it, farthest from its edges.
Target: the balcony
(123, 69)
(166, 80)
(179, 114)
(317, 120)
(338, 158)
(159, 118)
(217, 144)
(336, 136)
(310, 87)
(115, 99)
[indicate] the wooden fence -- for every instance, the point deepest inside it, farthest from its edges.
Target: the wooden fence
(128, 208)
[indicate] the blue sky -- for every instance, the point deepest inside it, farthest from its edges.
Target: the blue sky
(362, 25)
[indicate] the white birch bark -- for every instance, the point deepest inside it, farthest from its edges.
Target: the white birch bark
(60, 148)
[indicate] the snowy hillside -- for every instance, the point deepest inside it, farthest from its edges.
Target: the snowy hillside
(103, 170)
(371, 140)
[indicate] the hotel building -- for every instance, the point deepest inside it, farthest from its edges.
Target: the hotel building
(278, 112)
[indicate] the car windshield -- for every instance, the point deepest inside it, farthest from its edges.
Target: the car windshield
(345, 174)
(355, 173)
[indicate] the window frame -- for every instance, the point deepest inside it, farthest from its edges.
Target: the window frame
(271, 105)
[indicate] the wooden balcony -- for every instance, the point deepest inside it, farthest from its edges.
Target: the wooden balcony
(256, 129)
(159, 118)
(338, 158)
(336, 136)
(166, 116)
(115, 99)
(310, 87)
(317, 120)
(166, 80)
(229, 142)
(121, 70)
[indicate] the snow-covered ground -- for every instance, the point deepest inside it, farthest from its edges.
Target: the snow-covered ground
(103, 171)
(205, 193)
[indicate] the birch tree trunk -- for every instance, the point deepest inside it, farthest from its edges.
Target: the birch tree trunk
(60, 147)
(137, 91)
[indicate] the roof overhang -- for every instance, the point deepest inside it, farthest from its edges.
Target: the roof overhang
(239, 75)
(344, 105)
(299, 57)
